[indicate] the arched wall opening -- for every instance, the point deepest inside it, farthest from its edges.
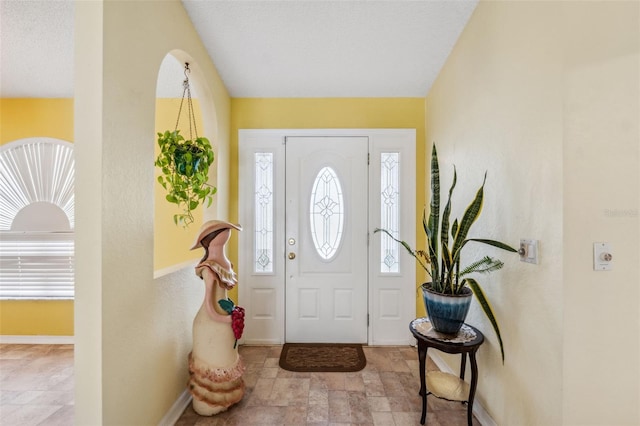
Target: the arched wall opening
(171, 241)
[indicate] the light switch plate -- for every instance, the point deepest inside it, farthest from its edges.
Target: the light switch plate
(529, 251)
(602, 257)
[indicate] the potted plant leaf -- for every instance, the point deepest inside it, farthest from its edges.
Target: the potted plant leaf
(448, 295)
(185, 172)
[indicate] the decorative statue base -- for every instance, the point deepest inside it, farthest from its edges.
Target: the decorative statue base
(215, 367)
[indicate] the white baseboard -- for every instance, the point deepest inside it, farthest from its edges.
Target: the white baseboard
(478, 410)
(176, 410)
(37, 340)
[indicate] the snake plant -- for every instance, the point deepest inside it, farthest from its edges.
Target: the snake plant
(445, 241)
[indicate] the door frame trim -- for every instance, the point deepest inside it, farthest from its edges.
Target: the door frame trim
(268, 326)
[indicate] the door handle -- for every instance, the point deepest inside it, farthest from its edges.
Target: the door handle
(292, 256)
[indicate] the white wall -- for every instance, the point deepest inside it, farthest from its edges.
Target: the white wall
(133, 333)
(535, 92)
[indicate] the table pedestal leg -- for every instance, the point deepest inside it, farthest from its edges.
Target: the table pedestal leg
(422, 358)
(472, 389)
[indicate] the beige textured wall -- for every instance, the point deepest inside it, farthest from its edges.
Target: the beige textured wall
(533, 93)
(601, 93)
(133, 333)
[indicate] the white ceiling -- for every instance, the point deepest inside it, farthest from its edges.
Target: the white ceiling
(301, 48)
(36, 49)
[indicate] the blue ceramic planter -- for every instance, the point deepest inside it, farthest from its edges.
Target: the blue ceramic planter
(180, 158)
(446, 312)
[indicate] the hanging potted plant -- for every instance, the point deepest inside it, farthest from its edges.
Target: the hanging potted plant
(448, 295)
(184, 164)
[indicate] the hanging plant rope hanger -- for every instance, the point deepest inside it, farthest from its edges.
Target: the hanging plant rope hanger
(185, 164)
(190, 113)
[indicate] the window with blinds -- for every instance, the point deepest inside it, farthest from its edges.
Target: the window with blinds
(36, 265)
(36, 219)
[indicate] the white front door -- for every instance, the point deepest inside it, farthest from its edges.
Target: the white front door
(326, 239)
(320, 213)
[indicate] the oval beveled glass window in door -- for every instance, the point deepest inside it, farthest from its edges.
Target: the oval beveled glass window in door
(326, 213)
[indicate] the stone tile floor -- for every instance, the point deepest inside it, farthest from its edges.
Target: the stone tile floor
(36, 388)
(384, 393)
(36, 385)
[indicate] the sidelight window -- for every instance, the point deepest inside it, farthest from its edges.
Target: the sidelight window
(389, 210)
(263, 202)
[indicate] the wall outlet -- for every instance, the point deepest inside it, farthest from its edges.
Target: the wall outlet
(602, 257)
(529, 251)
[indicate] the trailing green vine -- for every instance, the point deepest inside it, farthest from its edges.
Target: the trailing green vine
(185, 172)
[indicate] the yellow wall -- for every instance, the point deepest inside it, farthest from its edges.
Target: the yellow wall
(544, 95)
(27, 118)
(33, 117)
(22, 118)
(36, 317)
(314, 113)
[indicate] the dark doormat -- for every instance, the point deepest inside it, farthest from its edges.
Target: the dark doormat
(322, 357)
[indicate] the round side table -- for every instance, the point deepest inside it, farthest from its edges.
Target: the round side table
(450, 344)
